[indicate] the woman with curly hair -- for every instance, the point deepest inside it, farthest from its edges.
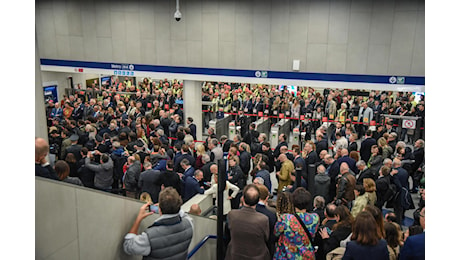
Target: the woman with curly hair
(294, 242)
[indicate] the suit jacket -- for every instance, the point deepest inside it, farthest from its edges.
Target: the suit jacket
(414, 247)
(193, 130)
(192, 187)
(321, 145)
(403, 177)
(276, 152)
(367, 173)
(271, 223)
(249, 232)
(352, 147)
(189, 173)
(419, 156)
(365, 150)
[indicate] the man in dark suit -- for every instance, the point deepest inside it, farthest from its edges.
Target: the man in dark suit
(300, 166)
(347, 159)
(366, 145)
(403, 177)
(311, 160)
(225, 142)
(352, 145)
(192, 185)
(321, 143)
(333, 170)
(252, 135)
(363, 172)
(192, 127)
(282, 142)
(187, 168)
(271, 158)
(183, 155)
(414, 247)
(249, 229)
(245, 158)
(419, 157)
(270, 213)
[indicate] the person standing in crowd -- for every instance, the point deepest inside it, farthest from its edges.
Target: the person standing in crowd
(150, 182)
(366, 145)
(228, 199)
(235, 176)
(249, 229)
(414, 246)
(169, 178)
(366, 242)
(281, 142)
(175, 227)
(270, 212)
(365, 116)
(287, 168)
(192, 185)
(341, 230)
(345, 186)
(293, 228)
(322, 183)
(62, 170)
(131, 177)
(216, 152)
(42, 167)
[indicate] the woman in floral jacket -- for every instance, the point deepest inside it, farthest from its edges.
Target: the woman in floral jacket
(293, 242)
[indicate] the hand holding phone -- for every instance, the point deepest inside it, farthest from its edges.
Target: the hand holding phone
(154, 209)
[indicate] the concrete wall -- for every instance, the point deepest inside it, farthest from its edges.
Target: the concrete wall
(327, 36)
(72, 222)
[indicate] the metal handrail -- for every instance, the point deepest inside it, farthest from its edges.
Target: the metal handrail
(200, 244)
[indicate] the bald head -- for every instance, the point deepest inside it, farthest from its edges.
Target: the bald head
(41, 149)
(250, 195)
(321, 169)
(195, 210)
(282, 157)
(214, 169)
(322, 154)
(344, 168)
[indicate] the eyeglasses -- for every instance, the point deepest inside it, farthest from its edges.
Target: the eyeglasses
(422, 215)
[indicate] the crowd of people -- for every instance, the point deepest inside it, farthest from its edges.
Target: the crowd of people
(328, 200)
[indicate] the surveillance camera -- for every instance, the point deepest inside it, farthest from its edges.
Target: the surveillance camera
(177, 15)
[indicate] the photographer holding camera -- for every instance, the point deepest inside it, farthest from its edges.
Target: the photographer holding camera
(168, 237)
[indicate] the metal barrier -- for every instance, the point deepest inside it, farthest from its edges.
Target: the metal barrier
(221, 125)
(200, 244)
(406, 124)
(263, 125)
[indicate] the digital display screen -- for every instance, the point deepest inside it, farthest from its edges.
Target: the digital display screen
(291, 89)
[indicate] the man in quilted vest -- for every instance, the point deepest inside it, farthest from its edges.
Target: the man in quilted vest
(168, 237)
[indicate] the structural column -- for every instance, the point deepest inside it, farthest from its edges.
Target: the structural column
(192, 105)
(40, 114)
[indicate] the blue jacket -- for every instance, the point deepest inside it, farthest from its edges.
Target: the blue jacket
(192, 187)
(414, 247)
(356, 251)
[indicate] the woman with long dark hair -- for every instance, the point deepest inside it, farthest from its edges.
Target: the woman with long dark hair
(365, 241)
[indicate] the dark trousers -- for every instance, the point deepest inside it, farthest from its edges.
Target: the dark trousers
(399, 212)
